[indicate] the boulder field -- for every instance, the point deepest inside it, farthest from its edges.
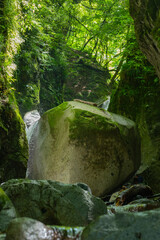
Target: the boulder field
(77, 142)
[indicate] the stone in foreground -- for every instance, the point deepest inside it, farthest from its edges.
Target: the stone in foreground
(54, 203)
(124, 226)
(77, 142)
(28, 229)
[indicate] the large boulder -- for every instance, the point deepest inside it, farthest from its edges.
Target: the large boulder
(146, 15)
(124, 226)
(54, 203)
(77, 142)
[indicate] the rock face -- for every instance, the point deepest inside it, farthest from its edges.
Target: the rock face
(139, 100)
(147, 22)
(146, 15)
(76, 142)
(54, 203)
(7, 211)
(124, 226)
(13, 142)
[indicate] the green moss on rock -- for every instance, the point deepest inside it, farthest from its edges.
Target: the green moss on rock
(137, 97)
(13, 142)
(77, 142)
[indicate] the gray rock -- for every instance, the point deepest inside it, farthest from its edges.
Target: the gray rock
(28, 229)
(125, 226)
(77, 142)
(7, 211)
(53, 202)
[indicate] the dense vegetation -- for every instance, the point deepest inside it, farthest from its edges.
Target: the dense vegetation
(42, 41)
(57, 35)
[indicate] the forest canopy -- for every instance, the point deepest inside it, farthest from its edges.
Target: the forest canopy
(100, 28)
(43, 39)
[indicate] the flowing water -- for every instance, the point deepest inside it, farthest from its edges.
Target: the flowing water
(106, 103)
(31, 121)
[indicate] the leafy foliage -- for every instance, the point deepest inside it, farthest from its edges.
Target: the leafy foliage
(10, 19)
(97, 28)
(102, 30)
(138, 83)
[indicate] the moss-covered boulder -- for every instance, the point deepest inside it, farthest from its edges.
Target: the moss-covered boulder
(146, 15)
(13, 142)
(7, 211)
(77, 142)
(54, 203)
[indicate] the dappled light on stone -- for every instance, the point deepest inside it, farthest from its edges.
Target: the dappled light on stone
(77, 142)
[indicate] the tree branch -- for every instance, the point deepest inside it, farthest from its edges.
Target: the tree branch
(91, 8)
(73, 17)
(113, 58)
(117, 71)
(87, 43)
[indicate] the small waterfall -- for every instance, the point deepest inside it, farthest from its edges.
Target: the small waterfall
(31, 121)
(31, 117)
(30, 130)
(106, 103)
